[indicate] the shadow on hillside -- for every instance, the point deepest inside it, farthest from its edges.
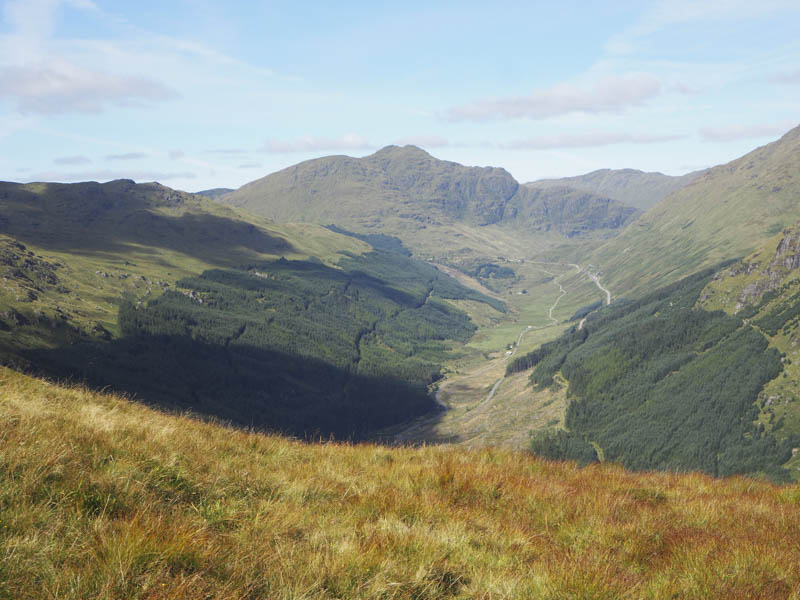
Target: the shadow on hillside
(243, 385)
(98, 219)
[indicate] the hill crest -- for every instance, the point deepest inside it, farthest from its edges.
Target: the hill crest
(402, 189)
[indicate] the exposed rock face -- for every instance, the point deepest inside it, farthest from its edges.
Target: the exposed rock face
(570, 212)
(788, 252)
(786, 259)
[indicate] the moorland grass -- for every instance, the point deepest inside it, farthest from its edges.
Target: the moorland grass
(101, 497)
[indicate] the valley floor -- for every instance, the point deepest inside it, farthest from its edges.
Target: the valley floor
(104, 498)
(481, 406)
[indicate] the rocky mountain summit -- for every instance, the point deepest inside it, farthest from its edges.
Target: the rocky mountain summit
(411, 187)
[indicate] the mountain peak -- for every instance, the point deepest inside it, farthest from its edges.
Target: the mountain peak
(408, 150)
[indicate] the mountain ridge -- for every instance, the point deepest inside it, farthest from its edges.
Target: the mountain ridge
(724, 213)
(633, 187)
(397, 189)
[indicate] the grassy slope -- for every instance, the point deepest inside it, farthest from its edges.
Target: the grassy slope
(725, 213)
(103, 498)
(119, 239)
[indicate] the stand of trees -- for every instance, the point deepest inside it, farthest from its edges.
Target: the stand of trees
(660, 384)
(292, 346)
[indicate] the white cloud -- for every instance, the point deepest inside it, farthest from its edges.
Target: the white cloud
(667, 13)
(58, 86)
(790, 78)
(176, 154)
(72, 160)
(424, 141)
(249, 166)
(606, 95)
(586, 140)
(40, 79)
(348, 141)
(743, 132)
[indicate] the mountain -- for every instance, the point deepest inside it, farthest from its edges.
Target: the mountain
(407, 192)
(629, 186)
(104, 498)
(725, 213)
(187, 304)
(214, 193)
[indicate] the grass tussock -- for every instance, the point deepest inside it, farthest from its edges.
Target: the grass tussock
(103, 498)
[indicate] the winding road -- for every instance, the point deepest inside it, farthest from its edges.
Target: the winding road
(404, 435)
(596, 280)
(563, 292)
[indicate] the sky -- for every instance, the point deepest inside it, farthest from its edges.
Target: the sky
(200, 94)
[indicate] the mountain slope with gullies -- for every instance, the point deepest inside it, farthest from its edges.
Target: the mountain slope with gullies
(407, 192)
(629, 186)
(724, 213)
(190, 305)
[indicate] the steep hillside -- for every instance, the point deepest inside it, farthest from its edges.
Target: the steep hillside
(764, 288)
(659, 383)
(725, 213)
(629, 186)
(70, 252)
(407, 192)
(568, 211)
(103, 498)
(190, 305)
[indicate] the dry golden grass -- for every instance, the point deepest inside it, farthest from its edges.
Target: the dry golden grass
(103, 498)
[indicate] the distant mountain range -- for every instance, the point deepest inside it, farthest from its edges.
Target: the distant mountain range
(629, 186)
(398, 189)
(215, 193)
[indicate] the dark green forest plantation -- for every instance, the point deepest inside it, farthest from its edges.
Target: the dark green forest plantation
(291, 346)
(658, 383)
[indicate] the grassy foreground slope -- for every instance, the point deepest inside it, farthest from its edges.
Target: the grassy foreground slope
(725, 213)
(103, 498)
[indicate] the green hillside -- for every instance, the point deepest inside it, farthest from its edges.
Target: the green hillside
(764, 288)
(193, 306)
(70, 252)
(629, 186)
(436, 207)
(660, 383)
(725, 213)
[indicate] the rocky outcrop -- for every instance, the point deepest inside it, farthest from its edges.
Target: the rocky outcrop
(772, 276)
(787, 255)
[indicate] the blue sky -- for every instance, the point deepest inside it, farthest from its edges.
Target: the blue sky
(199, 94)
